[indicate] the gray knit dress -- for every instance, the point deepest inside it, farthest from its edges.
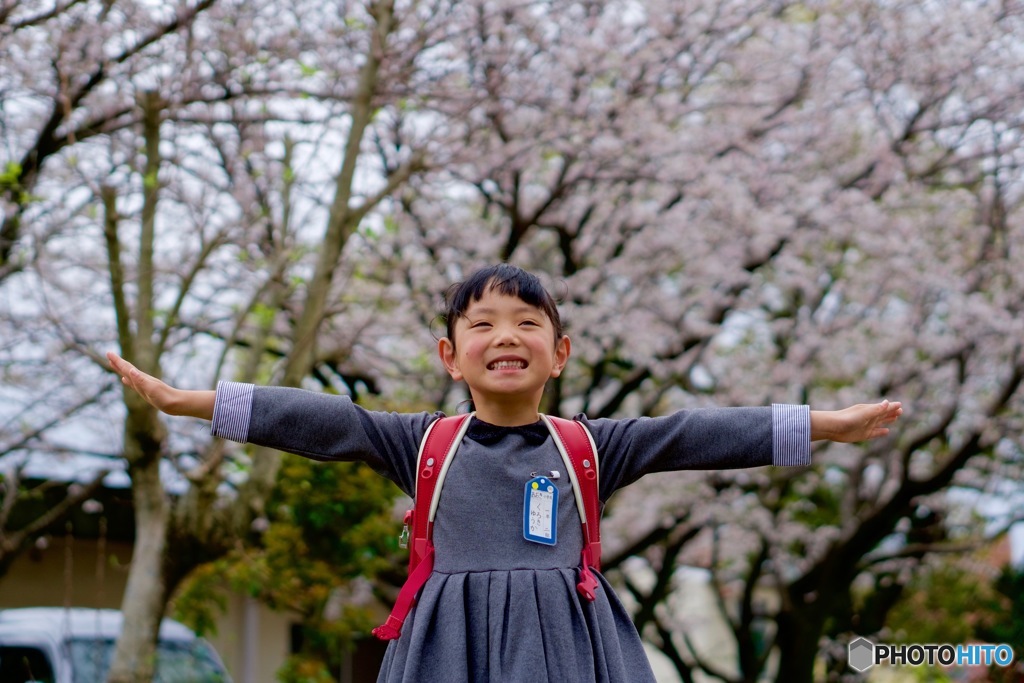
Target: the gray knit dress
(498, 607)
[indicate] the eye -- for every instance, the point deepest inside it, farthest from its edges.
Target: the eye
(479, 323)
(534, 323)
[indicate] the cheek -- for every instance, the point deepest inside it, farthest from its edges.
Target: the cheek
(541, 346)
(472, 350)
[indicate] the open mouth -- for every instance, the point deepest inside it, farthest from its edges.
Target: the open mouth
(507, 365)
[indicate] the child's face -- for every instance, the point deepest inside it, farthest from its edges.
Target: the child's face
(505, 349)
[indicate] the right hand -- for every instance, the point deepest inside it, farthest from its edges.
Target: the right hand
(156, 392)
(160, 395)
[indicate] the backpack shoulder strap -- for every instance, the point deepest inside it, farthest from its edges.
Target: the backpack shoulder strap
(439, 444)
(578, 450)
(576, 444)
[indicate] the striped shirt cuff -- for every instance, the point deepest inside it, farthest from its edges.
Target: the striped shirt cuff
(232, 410)
(791, 435)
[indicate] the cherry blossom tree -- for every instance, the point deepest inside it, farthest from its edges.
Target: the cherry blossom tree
(202, 213)
(756, 202)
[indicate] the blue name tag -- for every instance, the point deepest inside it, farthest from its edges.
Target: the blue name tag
(540, 511)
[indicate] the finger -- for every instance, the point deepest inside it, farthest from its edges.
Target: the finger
(133, 377)
(891, 410)
(120, 365)
(130, 375)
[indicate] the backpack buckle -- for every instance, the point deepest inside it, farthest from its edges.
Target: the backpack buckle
(588, 585)
(403, 538)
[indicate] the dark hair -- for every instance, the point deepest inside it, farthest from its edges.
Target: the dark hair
(504, 279)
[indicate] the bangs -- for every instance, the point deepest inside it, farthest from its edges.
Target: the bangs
(504, 279)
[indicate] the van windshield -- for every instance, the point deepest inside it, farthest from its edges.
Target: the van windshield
(176, 662)
(24, 663)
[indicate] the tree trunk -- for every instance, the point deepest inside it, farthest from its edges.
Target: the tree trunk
(798, 635)
(153, 576)
(342, 222)
(146, 592)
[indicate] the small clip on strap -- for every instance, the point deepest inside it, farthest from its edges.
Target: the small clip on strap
(588, 584)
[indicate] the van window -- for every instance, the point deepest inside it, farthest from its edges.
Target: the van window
(176, 662)
(23, 664)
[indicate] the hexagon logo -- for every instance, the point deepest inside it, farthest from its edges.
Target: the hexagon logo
(862, 654)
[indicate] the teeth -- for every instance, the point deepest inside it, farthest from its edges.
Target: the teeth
(508, 365)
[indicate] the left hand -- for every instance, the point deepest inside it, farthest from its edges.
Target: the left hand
(859, 422)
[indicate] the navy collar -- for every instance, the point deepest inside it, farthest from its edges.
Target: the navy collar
(488, 434)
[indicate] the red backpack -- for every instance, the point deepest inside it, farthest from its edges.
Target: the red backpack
(439, 444)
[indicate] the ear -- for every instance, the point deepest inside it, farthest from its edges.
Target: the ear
(562, 349)
(446, 351)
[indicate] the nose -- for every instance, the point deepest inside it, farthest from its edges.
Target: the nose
(507, 335)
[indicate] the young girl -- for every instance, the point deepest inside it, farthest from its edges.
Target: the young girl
(498, 607)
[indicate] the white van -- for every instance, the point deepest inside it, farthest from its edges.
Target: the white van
(76, 645)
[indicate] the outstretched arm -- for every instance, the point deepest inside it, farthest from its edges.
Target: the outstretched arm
(162, 396)
(857, 423)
